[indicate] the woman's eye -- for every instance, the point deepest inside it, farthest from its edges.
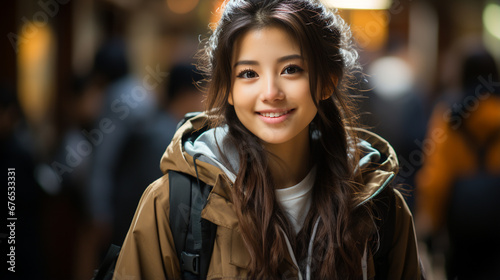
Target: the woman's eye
(247, 74)
(292, 70)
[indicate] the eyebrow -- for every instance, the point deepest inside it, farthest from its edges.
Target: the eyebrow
(281, 59)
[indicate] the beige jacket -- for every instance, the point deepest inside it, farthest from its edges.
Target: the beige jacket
(148, 251)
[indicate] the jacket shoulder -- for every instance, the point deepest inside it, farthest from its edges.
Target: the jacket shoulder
(157, 192)
(148, 251)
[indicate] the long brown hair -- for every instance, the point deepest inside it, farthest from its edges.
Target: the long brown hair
(325, 41)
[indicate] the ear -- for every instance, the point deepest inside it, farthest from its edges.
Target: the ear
(230, 98)
(328, 93)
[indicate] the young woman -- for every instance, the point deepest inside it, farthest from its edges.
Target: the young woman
(295, 185)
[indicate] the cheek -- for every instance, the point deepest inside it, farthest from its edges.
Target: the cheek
(241, 96)
(299, 89)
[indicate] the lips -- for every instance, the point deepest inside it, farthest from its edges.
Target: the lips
(274, 114)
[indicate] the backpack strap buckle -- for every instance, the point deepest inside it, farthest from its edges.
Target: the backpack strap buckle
(190, 262)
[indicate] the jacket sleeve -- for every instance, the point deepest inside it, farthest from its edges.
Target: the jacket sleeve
(404, 258)
(148, 251)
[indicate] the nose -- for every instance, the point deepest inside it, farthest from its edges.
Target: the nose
(271, 90)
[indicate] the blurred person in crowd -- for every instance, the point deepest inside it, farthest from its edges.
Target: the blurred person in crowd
(74, 159)
(146, 143)
(17, 162)
(391, 84)
(127, 106)
(64, 178)
(458, 186)
(75, 150)
(140, 128)
(182, 93)
(71, 159)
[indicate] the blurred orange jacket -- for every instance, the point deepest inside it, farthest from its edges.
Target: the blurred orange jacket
(448, 156)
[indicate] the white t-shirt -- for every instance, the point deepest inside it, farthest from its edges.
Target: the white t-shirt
(296, 200)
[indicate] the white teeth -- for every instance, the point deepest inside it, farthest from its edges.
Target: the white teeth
(274, 115)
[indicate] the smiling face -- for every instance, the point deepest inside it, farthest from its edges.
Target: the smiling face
(270, 91)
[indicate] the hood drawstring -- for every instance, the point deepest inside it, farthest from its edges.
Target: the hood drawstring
(364, 262)
(196, 168)
(292, 255)
(309, 252)
(310, 249)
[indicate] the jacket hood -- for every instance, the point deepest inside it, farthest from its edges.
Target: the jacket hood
(195, 150)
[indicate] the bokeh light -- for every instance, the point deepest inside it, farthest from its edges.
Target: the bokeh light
(391, 77)
(491, 19)
(359, 4)
(182, 6)
(36, 63)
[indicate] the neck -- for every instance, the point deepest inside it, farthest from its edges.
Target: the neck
(290, 162)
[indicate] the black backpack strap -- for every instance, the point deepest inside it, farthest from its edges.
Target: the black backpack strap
(385, 218)
(209, 231)
(107, 268)
(180, 202)
(193, 237)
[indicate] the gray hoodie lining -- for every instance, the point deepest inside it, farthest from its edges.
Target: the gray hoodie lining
(206, 147)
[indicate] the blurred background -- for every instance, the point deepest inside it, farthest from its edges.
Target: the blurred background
(91, 91)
